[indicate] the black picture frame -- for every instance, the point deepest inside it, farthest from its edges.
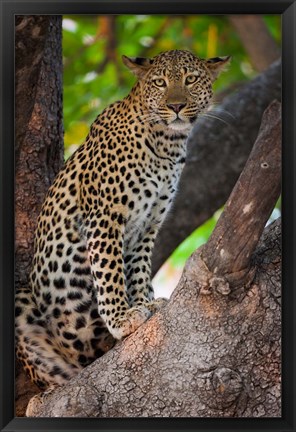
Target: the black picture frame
(7, 13)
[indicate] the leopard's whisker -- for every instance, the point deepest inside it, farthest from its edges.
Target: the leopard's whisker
(149, 117)
(217, 109)
(210, 115)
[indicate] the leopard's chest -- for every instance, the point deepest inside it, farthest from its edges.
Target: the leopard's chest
(157, 187)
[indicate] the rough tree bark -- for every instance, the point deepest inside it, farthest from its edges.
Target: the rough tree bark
(217, 152)
(39, 140)
(214, 350)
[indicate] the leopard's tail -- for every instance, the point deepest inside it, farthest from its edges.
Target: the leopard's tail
(36, 348)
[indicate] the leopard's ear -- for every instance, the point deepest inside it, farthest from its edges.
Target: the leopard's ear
(138, 65)
(216, 65)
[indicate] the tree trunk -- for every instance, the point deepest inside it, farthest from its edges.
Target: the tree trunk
(217, 152)
(256, 39)
(39, 140)
(214, 350)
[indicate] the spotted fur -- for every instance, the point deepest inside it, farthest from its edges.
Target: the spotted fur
(90, 282)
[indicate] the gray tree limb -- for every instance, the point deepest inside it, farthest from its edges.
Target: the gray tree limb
(208, 353)
(217, 152)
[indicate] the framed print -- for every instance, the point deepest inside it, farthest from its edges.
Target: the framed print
(147, 153)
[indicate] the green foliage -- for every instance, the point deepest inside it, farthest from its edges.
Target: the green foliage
(194, 241)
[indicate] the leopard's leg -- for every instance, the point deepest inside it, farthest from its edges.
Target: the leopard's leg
(138, 272)
(105, 251)
(37, 349)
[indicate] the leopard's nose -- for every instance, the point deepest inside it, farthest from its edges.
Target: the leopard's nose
(176, 107)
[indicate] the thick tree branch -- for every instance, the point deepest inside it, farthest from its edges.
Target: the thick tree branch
(236, 235)
(202, 355)
(217, 152)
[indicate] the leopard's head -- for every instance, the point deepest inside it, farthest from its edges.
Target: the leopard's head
(175, 86)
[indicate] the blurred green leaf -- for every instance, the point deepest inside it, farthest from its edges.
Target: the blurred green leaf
(194, 241)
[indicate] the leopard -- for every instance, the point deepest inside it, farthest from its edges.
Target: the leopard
(90, 284)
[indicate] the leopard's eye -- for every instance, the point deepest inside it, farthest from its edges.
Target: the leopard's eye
(190, 79)
(159, 82)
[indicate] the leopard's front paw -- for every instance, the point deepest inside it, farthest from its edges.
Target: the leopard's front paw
(133, 318)
(156, 304)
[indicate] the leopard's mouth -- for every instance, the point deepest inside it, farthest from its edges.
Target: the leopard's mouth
(182, 123)
(179, 124)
